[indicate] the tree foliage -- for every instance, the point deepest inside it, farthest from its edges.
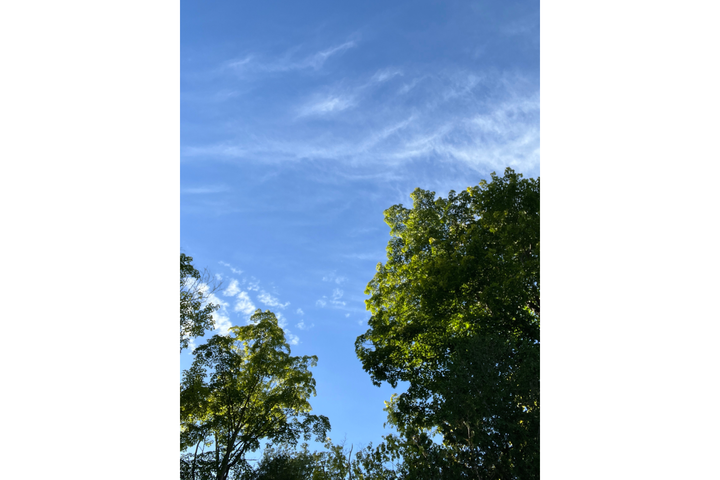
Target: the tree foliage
(196, 312)
(241, 389)
(336, 462)
(284, 463)
(456, 315)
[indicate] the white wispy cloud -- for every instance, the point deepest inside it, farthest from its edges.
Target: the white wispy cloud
(232, 269)
(334, 299)
(299, 311)
(244, 305)
(385, 75)
(239, 62)
(482, 120)
(233, 289)
(506, 135)
(302, 326)
(253, 63)
(326, 105)
(317, 60)
(271, 301)
(342, 96)
(336, 296)
(332, 277)
(204, 190)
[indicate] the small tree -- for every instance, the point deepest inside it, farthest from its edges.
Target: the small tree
(241, 389)
(285, 463)
(196, 313)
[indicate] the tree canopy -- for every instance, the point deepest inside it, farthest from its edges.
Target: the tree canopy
(456, 315)
(336, 462)
(241, 389)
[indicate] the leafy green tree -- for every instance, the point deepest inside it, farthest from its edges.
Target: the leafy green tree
(283, 463)
(456, 315)
(376, 463)
(241, 389)
(336, 462)
(196, 313)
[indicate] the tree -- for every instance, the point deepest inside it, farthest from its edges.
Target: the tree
(196, 312)
(283, 463)
(335, 463)
(456, 314)
(241, 389)
(376, 463)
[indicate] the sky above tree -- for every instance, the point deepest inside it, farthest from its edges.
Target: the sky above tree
(301, 122)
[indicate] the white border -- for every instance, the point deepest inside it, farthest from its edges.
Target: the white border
(629, 166)
(90, 194)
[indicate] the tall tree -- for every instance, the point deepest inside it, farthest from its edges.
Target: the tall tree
(456, 314)
(196, 312)
(241, 389)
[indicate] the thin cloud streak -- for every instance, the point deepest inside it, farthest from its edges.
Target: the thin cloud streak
(286, 63)
(316, 61)
(330, 104)
(343, 97)
(204, 190)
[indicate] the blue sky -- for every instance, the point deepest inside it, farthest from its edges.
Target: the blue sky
(301, 122)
